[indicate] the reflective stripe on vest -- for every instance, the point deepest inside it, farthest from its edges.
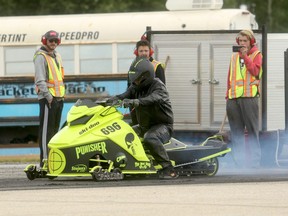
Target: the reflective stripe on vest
(242, 83)
(155, 64)
(56, 74)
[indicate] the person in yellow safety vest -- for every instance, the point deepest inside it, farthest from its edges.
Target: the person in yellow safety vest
(49, 76)
(144, 49)
(242, 97)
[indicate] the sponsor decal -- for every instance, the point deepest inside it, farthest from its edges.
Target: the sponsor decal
(119, 158)
(79, 168)
(56, 161)
(84, 130)
(94, 147)
(143, 165)
(129, 140)
(121, 161)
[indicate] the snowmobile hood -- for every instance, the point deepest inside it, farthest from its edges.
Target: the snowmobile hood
(83, 108)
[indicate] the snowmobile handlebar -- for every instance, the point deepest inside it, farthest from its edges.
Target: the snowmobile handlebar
(113, 102)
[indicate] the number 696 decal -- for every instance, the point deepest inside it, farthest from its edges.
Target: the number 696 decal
(111, 128)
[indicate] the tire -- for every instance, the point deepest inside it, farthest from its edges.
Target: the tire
(95, 172)
(213, 166)
(31, 173)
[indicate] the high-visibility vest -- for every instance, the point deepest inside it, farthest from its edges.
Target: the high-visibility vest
(156, 63)
(55, 82)
(242, 83)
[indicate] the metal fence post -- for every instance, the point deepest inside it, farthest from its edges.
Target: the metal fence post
(286, 88)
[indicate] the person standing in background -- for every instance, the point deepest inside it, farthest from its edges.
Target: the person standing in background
(49, 83)
(144, 49)
(242, 96)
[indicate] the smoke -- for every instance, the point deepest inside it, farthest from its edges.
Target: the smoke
(274, 156)
(274, 153)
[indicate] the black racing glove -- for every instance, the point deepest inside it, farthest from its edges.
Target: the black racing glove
(130, 103)
(113, 100)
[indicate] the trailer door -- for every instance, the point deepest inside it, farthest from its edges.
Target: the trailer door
(196, 76)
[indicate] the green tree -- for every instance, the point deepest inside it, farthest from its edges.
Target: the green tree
(272, 13)
(48, 7)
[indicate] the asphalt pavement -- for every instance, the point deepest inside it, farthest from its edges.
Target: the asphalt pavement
(230, 192)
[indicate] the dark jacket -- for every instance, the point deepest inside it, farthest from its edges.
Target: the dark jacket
(154, 104)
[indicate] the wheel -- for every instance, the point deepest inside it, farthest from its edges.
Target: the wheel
(117, 170)
(96, 172)
(31, 172)
(118, 174)
(30, 176)
(213, 166)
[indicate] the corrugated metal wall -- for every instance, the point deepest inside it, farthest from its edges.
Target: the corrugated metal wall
(196, 76)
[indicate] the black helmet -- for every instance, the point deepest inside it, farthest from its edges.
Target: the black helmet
(141, 72)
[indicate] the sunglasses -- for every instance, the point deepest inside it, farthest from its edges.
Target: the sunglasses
(53, 40)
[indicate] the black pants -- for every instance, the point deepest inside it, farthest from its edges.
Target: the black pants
(49, 124)
(244, 113)
(154, 138)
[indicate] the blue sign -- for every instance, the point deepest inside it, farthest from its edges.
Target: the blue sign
(73, 89)
(10, 95)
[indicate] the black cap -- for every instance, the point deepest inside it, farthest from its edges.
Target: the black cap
(51, 35)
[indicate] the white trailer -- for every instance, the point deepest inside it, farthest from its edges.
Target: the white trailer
(197, 70)
(101, 43)
(97, 50)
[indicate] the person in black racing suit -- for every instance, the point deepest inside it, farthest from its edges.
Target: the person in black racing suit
(153, 111)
